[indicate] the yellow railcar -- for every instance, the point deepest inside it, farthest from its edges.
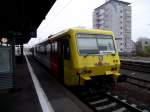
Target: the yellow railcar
(84, 57)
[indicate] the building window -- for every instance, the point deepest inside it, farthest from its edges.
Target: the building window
(97, 25)
(121, 27)
(120, 11)
(97, 13)
(125, 44)
(120, 16)
(146, 42)
(120, 33)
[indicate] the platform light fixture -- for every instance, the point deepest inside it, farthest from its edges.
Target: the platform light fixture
(4, 40)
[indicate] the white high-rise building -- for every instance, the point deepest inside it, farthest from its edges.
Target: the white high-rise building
(116, 16)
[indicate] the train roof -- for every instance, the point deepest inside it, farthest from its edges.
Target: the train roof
(81, 30)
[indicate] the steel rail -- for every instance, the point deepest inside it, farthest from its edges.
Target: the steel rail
(137, 84)
(128, 106)
(113, 100)
(136, 78)
(145, 87)
(136, 65)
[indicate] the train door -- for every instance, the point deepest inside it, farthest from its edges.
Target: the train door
(67, 62)
(61, 60)
(63, 57)
(54, 62)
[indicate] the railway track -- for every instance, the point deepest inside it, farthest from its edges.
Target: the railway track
(142, 83)
(110, 103)
(140, 66)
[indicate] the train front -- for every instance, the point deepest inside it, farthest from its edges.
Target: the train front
(98, 62)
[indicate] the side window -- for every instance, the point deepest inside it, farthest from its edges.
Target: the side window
(48, 47)
(38, 48)
(53, 48)
(45, 49)
(56, 47)
(60, 48)
(66, 49)
(42, 49)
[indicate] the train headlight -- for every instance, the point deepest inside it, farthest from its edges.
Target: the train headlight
(115, 61)
(114, 69)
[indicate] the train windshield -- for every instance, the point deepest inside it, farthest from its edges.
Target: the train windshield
(87, 45)
(106, 45)
(95, 44)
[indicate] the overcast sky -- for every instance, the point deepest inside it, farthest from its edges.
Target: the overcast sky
(75, 13)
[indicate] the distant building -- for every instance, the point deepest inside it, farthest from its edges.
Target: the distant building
(116, 16)
(133, 46)
(143, 45)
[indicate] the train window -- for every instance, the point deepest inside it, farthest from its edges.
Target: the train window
(51, 48)
(48, 47)
(60, 48)
(38, 48)
(99, 44)
(45, 50)
(55, 47)
(66, 49)
(42, 49)
(86, 48)
(106, 45)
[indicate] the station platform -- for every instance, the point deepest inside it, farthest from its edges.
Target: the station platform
(24, 97)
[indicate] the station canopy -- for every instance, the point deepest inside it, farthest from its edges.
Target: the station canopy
(21, 18)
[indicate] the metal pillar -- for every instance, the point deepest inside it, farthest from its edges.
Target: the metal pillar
(21, 47)
(13, 60)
